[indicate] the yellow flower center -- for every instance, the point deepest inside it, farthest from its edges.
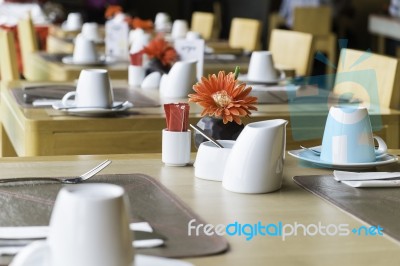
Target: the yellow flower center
(221, 98)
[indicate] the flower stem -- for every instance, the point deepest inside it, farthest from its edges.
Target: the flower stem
(237, 71)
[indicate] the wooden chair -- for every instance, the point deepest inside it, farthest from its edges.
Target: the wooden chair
(203, 23)
(293, 50)
(245, 33)
(8, 72)
(28, 44)
(386, 76)
(318, 22)
(8, 56)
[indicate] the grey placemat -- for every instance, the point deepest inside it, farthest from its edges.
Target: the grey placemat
(53, 57)
(25, 96)
(31, 204)
(376, 206)
(240, 59)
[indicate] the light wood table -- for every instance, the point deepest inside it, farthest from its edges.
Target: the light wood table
(56, 45)
(58, 31)
(43, 131)
(217, 206)
(53, 70)
(61, 41)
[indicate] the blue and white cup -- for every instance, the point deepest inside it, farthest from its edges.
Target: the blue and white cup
(348, 137)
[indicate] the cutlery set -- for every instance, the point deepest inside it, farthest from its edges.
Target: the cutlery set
(14, 239)
(368, 179)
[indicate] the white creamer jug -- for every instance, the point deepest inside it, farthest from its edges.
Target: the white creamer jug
(255, 164)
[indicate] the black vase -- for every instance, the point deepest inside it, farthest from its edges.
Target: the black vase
(156, 65)
(215, 128)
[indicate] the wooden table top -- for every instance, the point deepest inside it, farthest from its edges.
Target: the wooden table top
(44, 131)
(54, 70)
(217, 206)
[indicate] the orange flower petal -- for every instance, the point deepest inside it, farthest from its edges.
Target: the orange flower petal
(222, 96)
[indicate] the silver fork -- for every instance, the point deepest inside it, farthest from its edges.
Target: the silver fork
(73, 180)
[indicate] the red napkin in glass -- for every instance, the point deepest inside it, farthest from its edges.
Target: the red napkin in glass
(177, 116)
(137, 58)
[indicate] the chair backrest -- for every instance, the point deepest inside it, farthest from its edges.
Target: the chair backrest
(292, 49)
(314, 20)
(27, 40)
(370, 77)
(245, 33)
(203, 23)
(8, 56)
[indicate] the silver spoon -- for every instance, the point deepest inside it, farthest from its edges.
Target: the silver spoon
(216, 143)
(116, 106)
(73, 180)
(312, 150)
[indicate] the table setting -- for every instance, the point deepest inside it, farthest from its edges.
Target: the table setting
(254, 163)
(223, 160)
(26, 231)
(93, 95)
(347, 143)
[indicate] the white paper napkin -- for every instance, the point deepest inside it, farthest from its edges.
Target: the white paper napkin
(41, 232)
(373, 183)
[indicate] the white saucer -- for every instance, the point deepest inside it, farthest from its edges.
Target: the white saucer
(64, 26)
(69, 60)
(318, 149)
(39, 258)
(311, 157)
(96, 41)
(243, 78)
(95, 111)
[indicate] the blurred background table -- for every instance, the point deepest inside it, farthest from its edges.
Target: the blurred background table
(49, 67)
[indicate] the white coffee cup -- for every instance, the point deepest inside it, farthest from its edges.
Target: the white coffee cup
(178, 83)
(73, 22)
(91, 31)
(176, 147)
(193, 35)
(348, 137)
(136, 75)
(179, 29)
(93, 90)
(84, 50)
(262, 69)
(89, 226)
(162, 22)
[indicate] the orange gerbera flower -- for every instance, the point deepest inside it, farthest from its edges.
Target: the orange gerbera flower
(223, 96)
(112, 10)
(160, 49)
(141, 23)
